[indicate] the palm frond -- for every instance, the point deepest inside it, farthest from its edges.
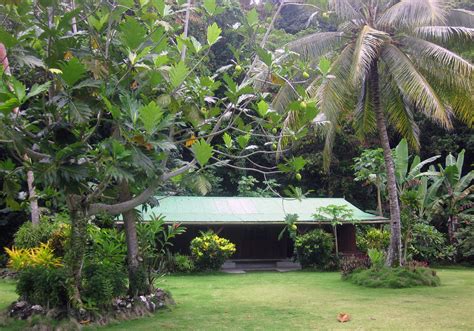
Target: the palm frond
(444, 33)
(334, 95)
(413, 86)
(315, 45)
(400, 115)
(284, 96)
(461, 101)
(460, 17)
(347, 10)
(200, 184)
(366, 50)
(364, 116)
(423, 50)
(414, 13)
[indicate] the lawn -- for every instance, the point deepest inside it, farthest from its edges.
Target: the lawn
(304, 300)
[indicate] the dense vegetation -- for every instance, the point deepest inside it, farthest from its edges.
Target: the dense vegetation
(104, 105)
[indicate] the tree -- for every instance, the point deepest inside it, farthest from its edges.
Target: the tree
(391, 59)
(34, 208)
(336, 214)
(111, 110)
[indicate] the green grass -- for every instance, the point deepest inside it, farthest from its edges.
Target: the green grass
(304, 300)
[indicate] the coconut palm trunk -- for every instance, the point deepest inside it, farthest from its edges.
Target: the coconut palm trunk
(394, 251)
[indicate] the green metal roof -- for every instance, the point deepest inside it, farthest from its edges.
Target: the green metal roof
(238, 210)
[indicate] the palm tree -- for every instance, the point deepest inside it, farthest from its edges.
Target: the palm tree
(390, 60)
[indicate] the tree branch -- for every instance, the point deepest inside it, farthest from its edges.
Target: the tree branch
(121, 207)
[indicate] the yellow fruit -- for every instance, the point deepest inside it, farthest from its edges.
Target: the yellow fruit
(305, 75)
(238, 68)
(274, 147)
(303, 105)
(274, 131)
(293, 227)
(298, 176)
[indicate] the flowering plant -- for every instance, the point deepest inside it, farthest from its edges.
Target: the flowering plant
(209, 251)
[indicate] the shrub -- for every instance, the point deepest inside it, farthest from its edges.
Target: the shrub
(428, 244)
(102, 282)
(104, 274)
(465, 242)
(395, 277)
(373, 238)
(314, 249)
(43, 286)
(29, 235)
(349, 264)
(209, 251)
(54, 230)
(183, 263)
(21, 258)
(154, 240)
(376, 257)
(59, 238)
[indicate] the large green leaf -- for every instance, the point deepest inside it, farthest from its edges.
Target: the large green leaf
(297, 163)
(227, 140)
(7, 39)
(262, 108)
(252, 17)
(178, 73)
(213, 34)
(19, 89)
(132, 33)
(72, 71)
(243, 140)
(324, 65)
(209, 6)
(401, 160)
(7, 106)
(460, 161)
(416, 168)
(150, 115)
(202, 152)
(451, 174)
(37, 89)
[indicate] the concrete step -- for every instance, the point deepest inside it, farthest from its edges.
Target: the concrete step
(260, 265)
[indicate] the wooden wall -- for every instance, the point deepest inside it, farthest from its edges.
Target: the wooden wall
(261, 241)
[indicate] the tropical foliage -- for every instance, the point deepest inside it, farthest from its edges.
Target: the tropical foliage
(113, 101)
(393, 59)
(315, 249)
(209, 251)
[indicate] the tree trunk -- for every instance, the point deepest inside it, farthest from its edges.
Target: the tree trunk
(405, 245)
(379, 201)
(335, 239)
(30, 179)
(136, 278)
(394, 252)
(77, 249)
(452, 226)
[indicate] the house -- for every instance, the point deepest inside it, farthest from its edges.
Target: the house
(253, 224)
